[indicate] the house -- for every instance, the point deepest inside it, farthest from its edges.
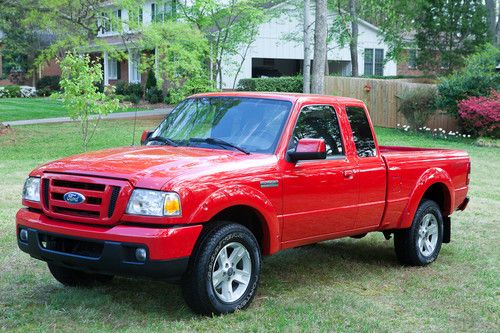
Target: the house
(272, 53)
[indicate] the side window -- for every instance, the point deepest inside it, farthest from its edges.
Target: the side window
(319, 122)
(361, 130)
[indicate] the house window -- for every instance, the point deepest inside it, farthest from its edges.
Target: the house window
(110, 25)
(112, 69)
(412, 59)
(134, 73)
(374, 62)
(163, 11)
(368, 62)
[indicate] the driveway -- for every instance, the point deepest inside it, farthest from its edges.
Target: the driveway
(121, 115)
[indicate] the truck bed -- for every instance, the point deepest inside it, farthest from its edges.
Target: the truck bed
(407, 166)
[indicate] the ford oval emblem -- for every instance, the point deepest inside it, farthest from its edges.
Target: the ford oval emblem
(74, 198)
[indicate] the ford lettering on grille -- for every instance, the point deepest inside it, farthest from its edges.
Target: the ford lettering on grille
(74, 198)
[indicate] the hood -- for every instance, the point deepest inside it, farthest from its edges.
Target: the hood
(153, 166)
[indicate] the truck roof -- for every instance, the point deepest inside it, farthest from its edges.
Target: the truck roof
(292, 97)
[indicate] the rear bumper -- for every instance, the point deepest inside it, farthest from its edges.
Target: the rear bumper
(108, 250)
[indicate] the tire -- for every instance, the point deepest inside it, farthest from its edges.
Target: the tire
(75, 278)
(202, 292)
(420, 244)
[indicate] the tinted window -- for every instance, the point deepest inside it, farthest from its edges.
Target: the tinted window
(361, 130)
(319, 122)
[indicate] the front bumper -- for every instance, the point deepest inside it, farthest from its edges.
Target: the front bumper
(107, 250)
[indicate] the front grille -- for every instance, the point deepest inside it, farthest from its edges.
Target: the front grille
(100, 204)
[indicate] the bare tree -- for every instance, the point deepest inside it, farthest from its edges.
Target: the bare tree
(320, 36)
(353, 44)
(494, 21)
(307, 47)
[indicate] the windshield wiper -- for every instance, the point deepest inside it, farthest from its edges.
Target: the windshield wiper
(168, 141)
(220, 142)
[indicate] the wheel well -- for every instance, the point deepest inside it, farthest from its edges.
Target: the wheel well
(250, 218)
(439, 193)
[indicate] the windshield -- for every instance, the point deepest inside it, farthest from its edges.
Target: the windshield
(236, 123)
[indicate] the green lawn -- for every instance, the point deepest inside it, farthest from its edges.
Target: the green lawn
(34, 108)
(343, 285)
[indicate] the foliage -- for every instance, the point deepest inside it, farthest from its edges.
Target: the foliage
(418, 105)
(449, 31)
(180, 64)
(10, 91)
(481, 115)
(154, 95)
(477, 78)
(131, 92)
(275, 84)
(80, 95)
(151, 80)
(48, 85)
(228, 26)
(135, 89)
(121, 88)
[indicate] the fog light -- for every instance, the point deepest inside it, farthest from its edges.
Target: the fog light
(141, 254)
(23, 234)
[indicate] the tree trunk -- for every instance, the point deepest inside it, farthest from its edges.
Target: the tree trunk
(493, 21)
(307, 47)
(353, 44)
(320, 35)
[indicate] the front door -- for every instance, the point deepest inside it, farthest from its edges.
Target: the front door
(320, 196)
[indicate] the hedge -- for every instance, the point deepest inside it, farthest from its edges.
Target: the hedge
(273, 84)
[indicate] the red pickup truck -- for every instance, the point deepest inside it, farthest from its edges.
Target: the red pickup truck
(227, 178)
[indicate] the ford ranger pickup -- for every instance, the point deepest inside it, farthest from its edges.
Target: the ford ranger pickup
(227, 178)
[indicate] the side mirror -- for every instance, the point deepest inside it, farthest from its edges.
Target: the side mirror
(145, 135)
(308, 149)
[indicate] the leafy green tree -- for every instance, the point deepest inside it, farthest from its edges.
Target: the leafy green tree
(448, 31)
(180, 61)
(80, 94)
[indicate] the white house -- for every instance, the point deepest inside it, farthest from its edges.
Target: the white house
(273, 53)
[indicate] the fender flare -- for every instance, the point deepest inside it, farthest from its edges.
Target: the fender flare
(241, 195)
(427, 179)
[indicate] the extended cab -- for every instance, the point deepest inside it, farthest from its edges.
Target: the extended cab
(227, 178)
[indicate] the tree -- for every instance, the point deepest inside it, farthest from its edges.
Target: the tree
(80, 94)
(320, 37)
(448, 31)
(180, 61)
(494, 21)
(227, 25)
(307, 47)
(353, 44)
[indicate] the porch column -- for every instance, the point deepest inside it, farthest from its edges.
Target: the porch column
(130, 66)
(105, 65)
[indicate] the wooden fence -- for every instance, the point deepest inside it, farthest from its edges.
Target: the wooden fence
(380, 98)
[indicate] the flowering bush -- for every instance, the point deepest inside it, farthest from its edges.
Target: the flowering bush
(27, 91)
(434, 132)
(481, 115)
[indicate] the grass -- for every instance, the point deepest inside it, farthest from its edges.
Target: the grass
(342, 285)
(12, 109)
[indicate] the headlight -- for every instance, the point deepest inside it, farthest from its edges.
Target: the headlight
(31, 190)
(154, 203)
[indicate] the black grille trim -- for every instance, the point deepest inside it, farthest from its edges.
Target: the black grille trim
(45, 189)
(112, 201)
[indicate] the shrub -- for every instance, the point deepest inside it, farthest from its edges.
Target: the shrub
(272, 84)
(121, 88)
(151, 80)
(27, 91)
(154, 95)
(478, 78)
(418, 105)
(12, 91)
(481, 115)
(48, 85)
(134, 89)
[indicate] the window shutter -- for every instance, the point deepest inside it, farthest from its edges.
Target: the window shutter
(118, 70)
(119, 13)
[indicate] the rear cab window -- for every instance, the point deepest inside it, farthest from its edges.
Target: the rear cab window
(319, 122)
(361, 131)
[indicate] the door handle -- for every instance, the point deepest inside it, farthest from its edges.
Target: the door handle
(349, 174)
